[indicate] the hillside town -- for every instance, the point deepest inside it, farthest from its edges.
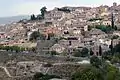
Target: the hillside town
(60, 43)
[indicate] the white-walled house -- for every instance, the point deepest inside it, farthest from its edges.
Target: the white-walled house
(105, 41)
(106, 22)
(58, 48)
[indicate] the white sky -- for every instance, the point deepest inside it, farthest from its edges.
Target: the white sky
(28, 7)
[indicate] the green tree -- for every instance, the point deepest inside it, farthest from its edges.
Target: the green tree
(37, 35)
(100, 50)
(104, 28)
(7, 48)
(89, 27)
(77, 53)
(112, 73)
(39, 17)
(95, 61)
(53, 53)
(117, 48)
(100, 70)
(111, 47)
(88, 73)
(22, 49)
(33, 17)
(16, 48)
(40, 76)
(107, 55)
(84, 52)
(43, 11)
(112, 21)
(91, 52)
(115, 27)
(50, 36)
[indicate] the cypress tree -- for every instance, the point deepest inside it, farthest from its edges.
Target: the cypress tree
(112, 21)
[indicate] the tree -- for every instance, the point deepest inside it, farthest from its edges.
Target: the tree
(37, 35)
(88, 73)
(34, 35)
(111, 47)
(107, 55)
(104, 28)
(53, 53)
(40, 76)
(112, 21)
(112, 73)
(16, 48)
(96, 71)
(84, 52)
(95, 61)
(117, 48)
(22, 49)
(91, 52)
(115, 27)
(100, 50)
(33, 17)
(64, 9)
(7, 48)
(77, 53)
(43, 11)
(50, 35)
(89, 27)
(39, 17)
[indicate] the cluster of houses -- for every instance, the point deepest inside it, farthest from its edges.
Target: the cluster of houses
(71, 28)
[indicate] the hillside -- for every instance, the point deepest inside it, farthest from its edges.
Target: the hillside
(7, 20)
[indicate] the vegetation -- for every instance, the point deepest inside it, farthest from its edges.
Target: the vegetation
(115, 37)
(53, 53)
(100, 50)
(95, 61)
(64, 9)
(40, 16)
(33, 17)
(77, 53)
(81, 53)
(84, 52)
(50, 36)
(88, 73)
(40, 76)
(98, 70)
(103, 28)
(91, 52)
(114, 55)
(37, 36)
(43, 11)
(12, 48)
(89, 27)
